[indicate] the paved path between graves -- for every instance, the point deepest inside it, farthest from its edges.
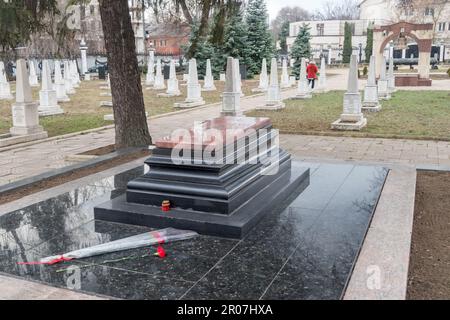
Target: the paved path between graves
(33, 159)
(17, 289)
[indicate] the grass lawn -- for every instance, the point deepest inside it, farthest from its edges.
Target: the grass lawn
(83, 111)
(409, 114)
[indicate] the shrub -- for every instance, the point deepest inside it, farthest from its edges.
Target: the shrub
(448, 72)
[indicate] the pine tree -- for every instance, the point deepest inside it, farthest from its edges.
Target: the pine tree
(369, 45)
(348, 47)
(260, 41)
(284, 33)
(20, 19)
(301, 48)
(236, 43)
(205, 50)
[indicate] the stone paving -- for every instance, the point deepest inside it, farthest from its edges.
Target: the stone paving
(36, 158)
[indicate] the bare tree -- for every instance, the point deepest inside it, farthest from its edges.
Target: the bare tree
(288, 14)
(338, 10)
(421, 11)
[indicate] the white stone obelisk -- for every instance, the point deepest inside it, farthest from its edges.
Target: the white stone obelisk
(223, 77)
(292, 81)
(322, 86)
(285, 83)
(25, 111)
(239, 77)
(34, 82)
(391, 76)
(173, 89)
(48, 103)
(263, 78)
(303, 90)
(194, 90)
(159, 78)
(5, 88)
(352, 118)
(383, 83)
(231, 99)
(84, 69)
(209, 79)
(59, 85)
(150, 78)
(371, 102)
(68, 79)
(75, 76)
(273, 96)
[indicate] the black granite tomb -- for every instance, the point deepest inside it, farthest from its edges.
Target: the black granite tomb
(221, 199)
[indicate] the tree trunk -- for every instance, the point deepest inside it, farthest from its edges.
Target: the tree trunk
(186, 13)
(128, 101)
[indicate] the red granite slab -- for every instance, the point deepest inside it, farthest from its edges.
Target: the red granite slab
(237, 127)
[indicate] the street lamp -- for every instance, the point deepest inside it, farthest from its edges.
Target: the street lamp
(360, 52)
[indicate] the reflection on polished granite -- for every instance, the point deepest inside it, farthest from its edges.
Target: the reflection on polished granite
(303, 250)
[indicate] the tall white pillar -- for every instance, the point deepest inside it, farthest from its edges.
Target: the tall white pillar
(351, 118)
(83, 49)
(25, 110)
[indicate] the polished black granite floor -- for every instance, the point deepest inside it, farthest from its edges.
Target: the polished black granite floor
(305, 249)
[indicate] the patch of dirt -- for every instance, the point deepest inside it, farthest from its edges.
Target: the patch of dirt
(100, 151)
(429, 269)
(70, 176)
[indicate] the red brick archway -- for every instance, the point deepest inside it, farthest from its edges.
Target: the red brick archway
(407, 29)
(421, 33)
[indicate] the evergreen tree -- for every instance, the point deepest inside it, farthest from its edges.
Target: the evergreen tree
(348, 46)
(236, 43)
(205, 50)
(284, 33)
(369, 45)
(260, 41)
(301, 48)
(20, 19)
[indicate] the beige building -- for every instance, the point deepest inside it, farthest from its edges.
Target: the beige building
(386, 12)
(328, 37)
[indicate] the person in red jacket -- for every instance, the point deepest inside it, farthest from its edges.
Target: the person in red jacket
(312, 71)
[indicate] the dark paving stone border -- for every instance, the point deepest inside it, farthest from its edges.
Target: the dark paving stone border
(55, 173)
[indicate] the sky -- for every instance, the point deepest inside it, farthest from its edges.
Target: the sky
(274, 6)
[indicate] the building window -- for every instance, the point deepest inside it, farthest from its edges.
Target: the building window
(441, 26)
(320, 29)
(429, 11)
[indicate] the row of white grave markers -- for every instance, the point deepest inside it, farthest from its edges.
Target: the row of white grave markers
(371, 101)
(352, 117)
(263, 78)
(50, 93)
(173, 89)
(5, 88)
(231, 98)
(303, 89)
(25, 110)
(194, 90)
(374, 92)
(273, 97)
(48, 102)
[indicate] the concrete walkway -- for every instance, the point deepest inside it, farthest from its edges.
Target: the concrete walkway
(35, 158)
(16, 289)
